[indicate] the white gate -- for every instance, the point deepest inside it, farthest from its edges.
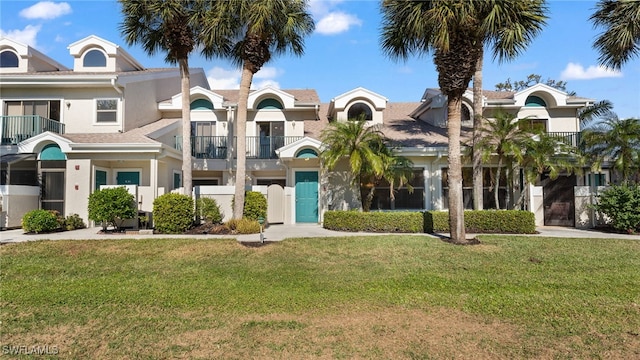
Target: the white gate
(275, 204)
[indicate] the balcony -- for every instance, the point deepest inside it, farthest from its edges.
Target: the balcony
(569, 138)
(19, 128)
(215, 147)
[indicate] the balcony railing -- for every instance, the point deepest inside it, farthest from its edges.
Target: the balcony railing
(569, 138)
(215, 147)
(19, 128)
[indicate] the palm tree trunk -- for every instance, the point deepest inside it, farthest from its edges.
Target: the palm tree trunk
(241, 141)
(187, 180)
(456, 203)
(477, 125)
(496, 190)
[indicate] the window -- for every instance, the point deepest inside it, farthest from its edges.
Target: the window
(49, 109)
(403, 198)
(534, 101)
(8, 59)
(106, 110)
(94, 58)
(267, 182)
(534, 125)
(271, 138)
(177, 180)
(201, 104)
(360, 111)
(466, 114)
(467, 188)
(269, 104)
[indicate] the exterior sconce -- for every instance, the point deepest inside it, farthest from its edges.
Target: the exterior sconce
(68, 103)
(77, 167)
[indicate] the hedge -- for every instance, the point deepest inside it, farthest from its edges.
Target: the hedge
(484, 221)
(401, 221)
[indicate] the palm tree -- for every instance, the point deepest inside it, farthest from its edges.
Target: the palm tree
(456, 31)
(263, 28)
(544, 153)
(503, 137)
(166, 26)
(620, 40)
(616, 140)
(358, 143)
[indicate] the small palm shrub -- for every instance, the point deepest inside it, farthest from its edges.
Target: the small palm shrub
(40, 221)
(243, 226)
(208, 210)
(173, 213)
(74, 221)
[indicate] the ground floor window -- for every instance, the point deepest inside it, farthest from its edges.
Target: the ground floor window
(404, 199)
(488, 184)
(267, 182)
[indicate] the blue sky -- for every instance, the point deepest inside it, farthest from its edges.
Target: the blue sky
(344, 52)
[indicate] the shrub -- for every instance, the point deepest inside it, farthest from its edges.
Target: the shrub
(397, 221)
(484, 221)
(39, 221)
(173, 213)
(621, 204)
(111, 206)
(74, 221)
(243, 226)
(255, 205)
(208, 210)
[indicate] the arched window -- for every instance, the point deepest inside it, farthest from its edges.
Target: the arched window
(201, 104)
(307, 154)
(8, 59)
(94, 58)
(269, 104)
(52, 152)
(359, 111)
(533, 100)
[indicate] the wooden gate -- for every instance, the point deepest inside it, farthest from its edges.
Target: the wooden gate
(275, 204)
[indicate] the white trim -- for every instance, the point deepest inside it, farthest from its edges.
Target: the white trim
(117, 111)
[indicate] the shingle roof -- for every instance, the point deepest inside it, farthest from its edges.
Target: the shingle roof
(300, 95)
(135, 136)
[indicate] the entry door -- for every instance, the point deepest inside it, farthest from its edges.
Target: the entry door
(101, 179)
(558, 200)
(128, 178)
(53, 191)
(307, 197)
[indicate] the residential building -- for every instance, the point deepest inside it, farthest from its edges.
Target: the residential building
(111, 121)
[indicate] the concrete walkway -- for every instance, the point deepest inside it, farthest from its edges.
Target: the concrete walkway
(277, 233)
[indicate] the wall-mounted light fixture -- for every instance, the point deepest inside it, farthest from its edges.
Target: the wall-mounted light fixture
(68, 103)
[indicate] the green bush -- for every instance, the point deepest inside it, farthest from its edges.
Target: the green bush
(111, 206)
(40, 221)
(484, 221)
(397, 221)
(621, 204)
(243, 226)
(255, 205)
(74, 221)
(208, 210)
(173, 213)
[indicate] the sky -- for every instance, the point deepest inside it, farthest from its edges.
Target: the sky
(344, 52)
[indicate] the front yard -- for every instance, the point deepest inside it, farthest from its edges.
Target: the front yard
(354, 297)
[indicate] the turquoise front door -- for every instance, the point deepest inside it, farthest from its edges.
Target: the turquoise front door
(128, 178)
(306, 197)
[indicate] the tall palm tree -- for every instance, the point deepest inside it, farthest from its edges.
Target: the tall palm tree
(172, 27)
(456, 31)
(616, 140)
(504, 137)
(620, 41)
(358, 143)
(263, 28)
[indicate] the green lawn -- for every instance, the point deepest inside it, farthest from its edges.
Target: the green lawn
(404, 296)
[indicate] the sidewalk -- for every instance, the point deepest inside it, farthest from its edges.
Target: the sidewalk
(278, 233)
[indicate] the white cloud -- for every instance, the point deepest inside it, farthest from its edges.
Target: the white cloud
(26, 36)
(319, 8)
(578, 72)
(46, 10)
(229, 79)
(336, 22)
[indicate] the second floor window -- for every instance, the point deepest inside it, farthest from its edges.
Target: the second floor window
(107, 110)
(360, 111)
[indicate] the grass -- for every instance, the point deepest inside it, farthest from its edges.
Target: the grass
(382, 297)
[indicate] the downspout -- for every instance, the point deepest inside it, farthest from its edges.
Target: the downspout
(119, 91)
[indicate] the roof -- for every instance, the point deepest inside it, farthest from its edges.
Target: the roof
(135, 136)
(300, 95)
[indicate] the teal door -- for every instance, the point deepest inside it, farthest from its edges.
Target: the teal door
(128, 178)
(307, 197)
(101, 178)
